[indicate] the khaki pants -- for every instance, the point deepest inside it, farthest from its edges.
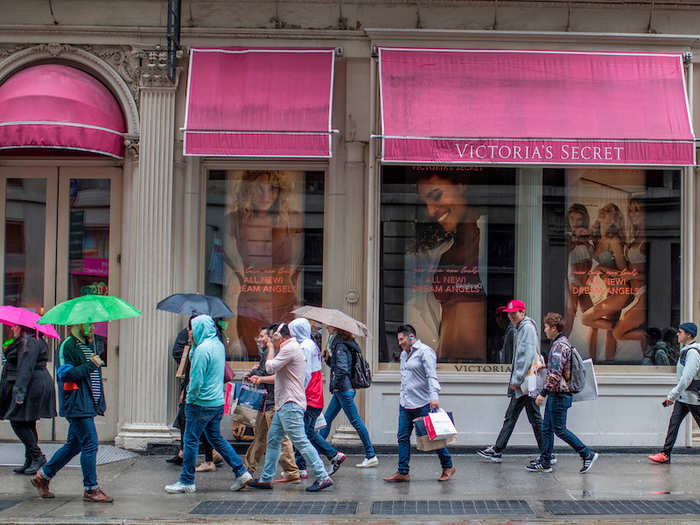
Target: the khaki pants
(256, 450)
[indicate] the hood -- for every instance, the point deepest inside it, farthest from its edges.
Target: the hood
(203, 327)
(300, 329)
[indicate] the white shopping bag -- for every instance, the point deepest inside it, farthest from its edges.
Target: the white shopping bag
(590, 387)
(439, 425)
(320, 422)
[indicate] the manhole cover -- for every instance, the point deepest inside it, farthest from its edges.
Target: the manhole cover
(213, 507)
(604, 507)
(452, 507)
(7, 503)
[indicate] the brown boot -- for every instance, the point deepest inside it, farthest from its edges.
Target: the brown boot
(397, 477)
(97, 496)
(447, 473)
(42, 485)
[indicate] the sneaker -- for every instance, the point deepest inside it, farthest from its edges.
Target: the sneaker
(588, 462)
(336, 462)
(538, 459)
(368, 462)
(538, 466)
(319, 485)
(241, 481)
(490, 453)
(180, 488)
(303, 474)
(660, 458)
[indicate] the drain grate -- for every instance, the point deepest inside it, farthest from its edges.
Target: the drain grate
(213, 507)
(451, 507)
(7, 503)
(604, 507)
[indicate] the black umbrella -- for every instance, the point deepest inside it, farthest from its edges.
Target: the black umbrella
(195, 304)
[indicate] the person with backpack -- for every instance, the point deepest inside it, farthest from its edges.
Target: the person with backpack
(561, 382)
(344, 353)
(420, 390)
(656, 353)
(685, 394)
(525, 350)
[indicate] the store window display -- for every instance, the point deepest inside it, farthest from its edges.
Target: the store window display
(264, 247)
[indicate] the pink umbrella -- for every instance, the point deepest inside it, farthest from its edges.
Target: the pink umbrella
(10, 315)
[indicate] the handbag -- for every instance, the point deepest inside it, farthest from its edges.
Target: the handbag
(423, 442)
(320, 422)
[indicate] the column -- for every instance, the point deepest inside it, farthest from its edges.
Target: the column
(148, 272)
(528, 241)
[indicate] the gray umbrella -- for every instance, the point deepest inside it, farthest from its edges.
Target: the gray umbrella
(195, 304)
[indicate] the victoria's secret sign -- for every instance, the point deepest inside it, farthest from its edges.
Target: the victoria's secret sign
(500, 151)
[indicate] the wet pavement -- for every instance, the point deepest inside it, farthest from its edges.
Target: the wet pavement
(479, 492)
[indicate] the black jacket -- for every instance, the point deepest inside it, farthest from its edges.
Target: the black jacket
(26, 379)
(340, 363)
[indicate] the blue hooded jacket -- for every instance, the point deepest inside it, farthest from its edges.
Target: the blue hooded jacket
(207, 363)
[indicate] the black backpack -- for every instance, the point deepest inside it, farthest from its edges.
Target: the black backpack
(360, 374)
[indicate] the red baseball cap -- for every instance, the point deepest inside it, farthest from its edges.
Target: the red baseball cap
(515, 306)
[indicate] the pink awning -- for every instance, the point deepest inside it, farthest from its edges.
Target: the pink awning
(534, 107)
(255, 102)
(60, 107)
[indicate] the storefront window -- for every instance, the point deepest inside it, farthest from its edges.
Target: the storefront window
(613, 236)
(447, 258)
(264, 248)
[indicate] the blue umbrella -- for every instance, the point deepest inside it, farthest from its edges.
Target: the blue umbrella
(195, 304)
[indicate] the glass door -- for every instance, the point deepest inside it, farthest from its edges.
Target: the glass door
(60, 236)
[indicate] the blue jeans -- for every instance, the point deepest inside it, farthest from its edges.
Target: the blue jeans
(346, 401)
(82, 439)
(406, 417)
(207, 420)
(554, 423)
(289, 420)
(323, 447)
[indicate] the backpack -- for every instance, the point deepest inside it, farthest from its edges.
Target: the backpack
(360, 374)
(578, 372)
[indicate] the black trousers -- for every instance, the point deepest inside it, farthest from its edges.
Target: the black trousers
(512, 414)
(680, 410)
(26, 432)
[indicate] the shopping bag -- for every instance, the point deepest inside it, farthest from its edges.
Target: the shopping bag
(589, 392)
(534, 377)
(320, 422)
(423, 442)
(229, 396)
(250, 400)
(439, 425)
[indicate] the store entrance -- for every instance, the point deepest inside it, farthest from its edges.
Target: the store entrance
(60, 238)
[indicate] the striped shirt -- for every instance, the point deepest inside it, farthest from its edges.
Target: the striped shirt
(95, 379)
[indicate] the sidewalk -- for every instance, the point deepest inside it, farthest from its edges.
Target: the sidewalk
(480, 492)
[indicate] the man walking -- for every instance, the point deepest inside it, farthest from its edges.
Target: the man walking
(81, 398)
(301, 331)
(526, 348)
(419, 395)
(205, 406)
(558, 395)
(289, 367)
(259, 376)
(685, 393)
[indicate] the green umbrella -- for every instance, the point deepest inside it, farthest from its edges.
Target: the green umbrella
(89, 309)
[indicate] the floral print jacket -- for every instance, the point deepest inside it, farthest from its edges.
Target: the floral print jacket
(558, 367)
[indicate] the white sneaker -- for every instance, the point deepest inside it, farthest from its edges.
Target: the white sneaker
(180, 488)
(368, 462)
(241, 481)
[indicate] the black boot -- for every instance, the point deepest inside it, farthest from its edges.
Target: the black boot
(38, 461)
(27, 462)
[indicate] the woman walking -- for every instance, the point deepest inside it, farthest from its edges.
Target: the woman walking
(27, 393)
(342, 345)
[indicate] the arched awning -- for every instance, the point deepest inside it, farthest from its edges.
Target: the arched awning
(60, 107)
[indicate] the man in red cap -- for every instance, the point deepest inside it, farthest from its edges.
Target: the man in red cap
(526, 347)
